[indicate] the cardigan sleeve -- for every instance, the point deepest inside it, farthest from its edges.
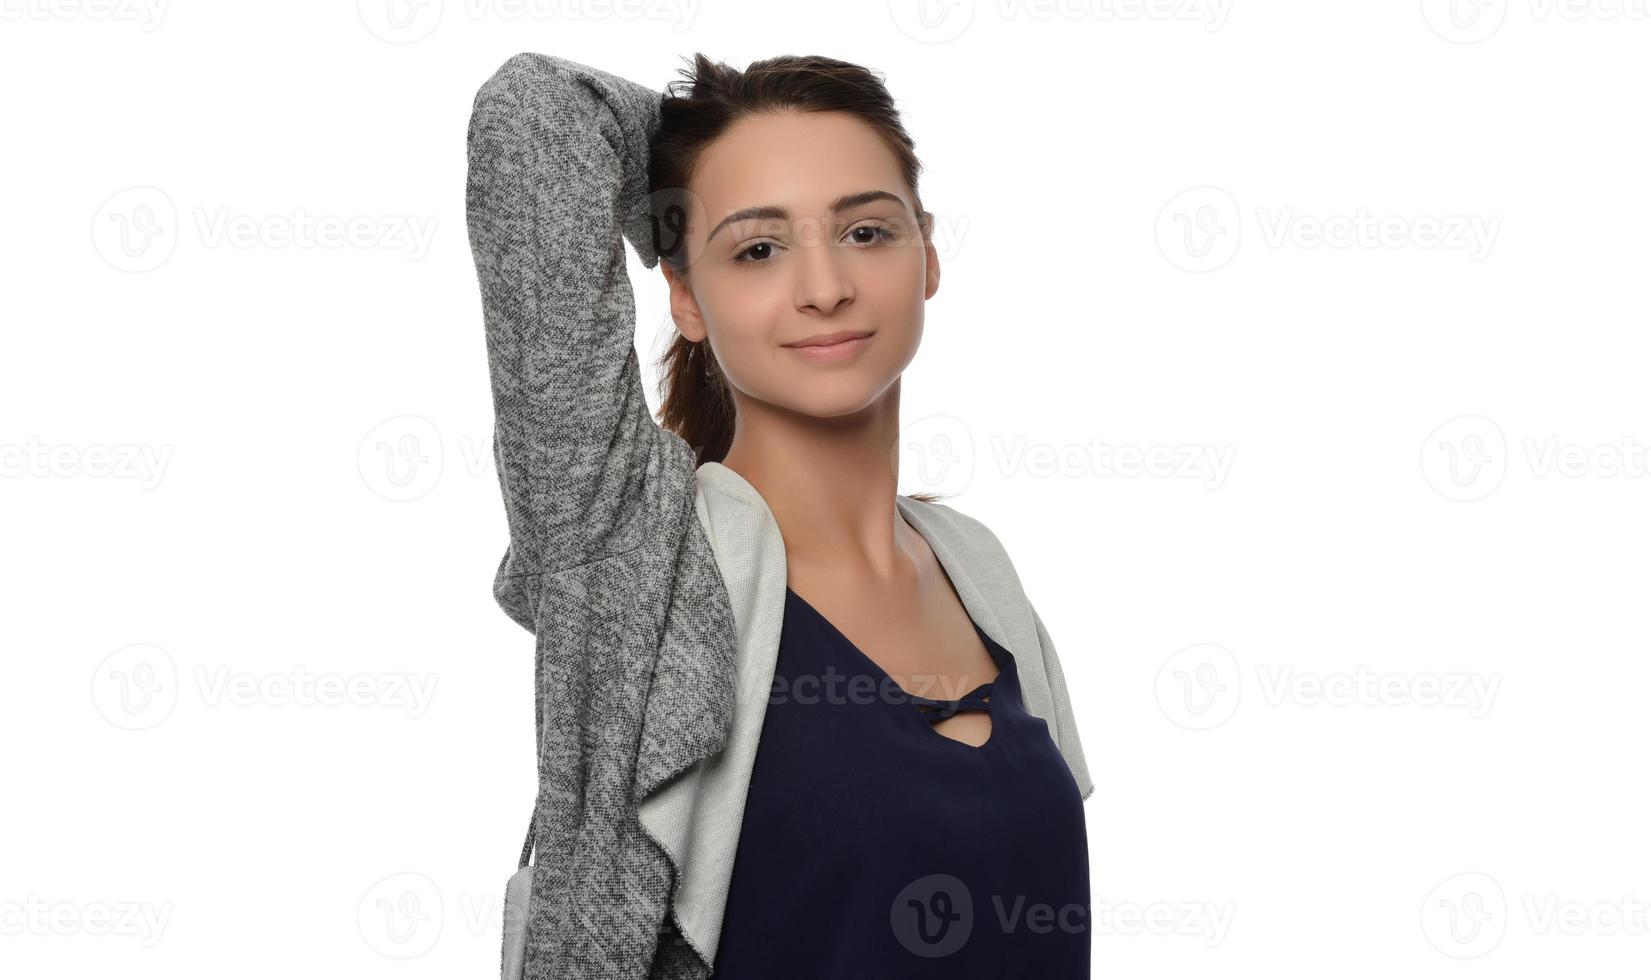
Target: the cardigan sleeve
(1066, 736)
(557, 181)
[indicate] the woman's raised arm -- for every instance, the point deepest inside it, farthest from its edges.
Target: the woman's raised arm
(558, 181)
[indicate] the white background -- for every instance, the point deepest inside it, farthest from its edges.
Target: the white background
(1364, 697)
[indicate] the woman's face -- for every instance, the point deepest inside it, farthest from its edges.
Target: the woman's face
(758, 281)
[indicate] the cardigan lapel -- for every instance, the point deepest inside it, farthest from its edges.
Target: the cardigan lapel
(986, 582)
(696, 817)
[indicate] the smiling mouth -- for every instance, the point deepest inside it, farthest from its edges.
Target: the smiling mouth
(830, 339)
(831, 347)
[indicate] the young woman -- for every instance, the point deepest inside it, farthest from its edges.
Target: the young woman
(792, 723)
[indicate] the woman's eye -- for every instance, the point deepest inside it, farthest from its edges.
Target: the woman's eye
(742, 256)
(877, 234)
(863, 235)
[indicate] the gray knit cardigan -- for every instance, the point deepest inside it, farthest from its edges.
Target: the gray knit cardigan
(653, 588)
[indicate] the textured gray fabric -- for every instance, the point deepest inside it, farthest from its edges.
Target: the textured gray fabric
(650, 586)
(604, 548)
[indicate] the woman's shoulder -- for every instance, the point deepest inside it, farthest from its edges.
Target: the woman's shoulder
(968, 537)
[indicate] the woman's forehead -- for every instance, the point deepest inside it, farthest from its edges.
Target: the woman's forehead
(802, 161)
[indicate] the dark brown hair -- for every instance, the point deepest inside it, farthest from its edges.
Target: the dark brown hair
(698, 108)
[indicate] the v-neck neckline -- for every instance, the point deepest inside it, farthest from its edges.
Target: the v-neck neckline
(974, 601)
(1005, 662)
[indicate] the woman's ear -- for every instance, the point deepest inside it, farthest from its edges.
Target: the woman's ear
(684, 308)
(931, 257)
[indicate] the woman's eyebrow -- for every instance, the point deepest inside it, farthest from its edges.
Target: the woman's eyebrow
(838, 206)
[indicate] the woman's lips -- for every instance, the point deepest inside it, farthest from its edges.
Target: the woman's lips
(832, 352)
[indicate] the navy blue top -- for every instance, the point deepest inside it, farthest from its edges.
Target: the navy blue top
(875, 848)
